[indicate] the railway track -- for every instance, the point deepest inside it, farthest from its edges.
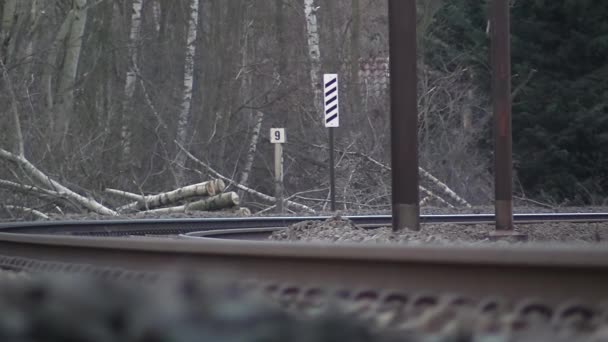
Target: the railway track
(186, 225)
(225, 246)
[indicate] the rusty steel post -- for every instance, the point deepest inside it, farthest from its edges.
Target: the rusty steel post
(501, 96)
(404, 116)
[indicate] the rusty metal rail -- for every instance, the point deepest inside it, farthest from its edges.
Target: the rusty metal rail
(547, 272)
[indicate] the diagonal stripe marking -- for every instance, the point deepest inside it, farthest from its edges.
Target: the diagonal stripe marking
(331, 118)
(331, 100)
(331, 92)
(331, 109)
(330, 82)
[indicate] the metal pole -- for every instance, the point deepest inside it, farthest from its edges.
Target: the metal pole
(278, 174)
(404, 116)
(332, 172)
(501, 95)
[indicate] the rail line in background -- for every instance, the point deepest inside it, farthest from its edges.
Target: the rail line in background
(551, 273)
(173, 226)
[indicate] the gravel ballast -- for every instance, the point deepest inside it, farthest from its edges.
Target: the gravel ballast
(340, 230)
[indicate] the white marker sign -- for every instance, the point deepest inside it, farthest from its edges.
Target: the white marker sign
(277, 135)
(330, 89)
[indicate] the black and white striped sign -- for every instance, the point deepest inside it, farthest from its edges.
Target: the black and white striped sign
(330, 88)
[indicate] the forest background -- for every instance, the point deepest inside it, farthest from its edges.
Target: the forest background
(150, 95)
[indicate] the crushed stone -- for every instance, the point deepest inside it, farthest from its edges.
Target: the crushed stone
(340, 230)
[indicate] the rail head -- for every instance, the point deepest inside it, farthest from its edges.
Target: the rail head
(529, 255)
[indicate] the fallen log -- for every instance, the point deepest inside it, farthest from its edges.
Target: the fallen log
(209, 188)
(217, 202)
(55, 186)
(248, 190)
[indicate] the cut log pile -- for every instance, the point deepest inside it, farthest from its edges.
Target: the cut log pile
(205, 196)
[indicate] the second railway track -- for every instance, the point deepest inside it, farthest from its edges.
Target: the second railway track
(171, 226)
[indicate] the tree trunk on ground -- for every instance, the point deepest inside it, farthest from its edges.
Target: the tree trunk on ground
(221, 201)
(26, 210)
(65, 104)
(131, 79)
(314, 53)
(218, 202)
(209, 188)
(262, 196)
(33, 172)
(184, 115)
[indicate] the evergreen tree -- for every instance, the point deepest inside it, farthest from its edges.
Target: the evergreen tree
(560, 65)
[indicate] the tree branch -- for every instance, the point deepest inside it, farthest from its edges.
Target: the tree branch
(32, 171)
(26, 210)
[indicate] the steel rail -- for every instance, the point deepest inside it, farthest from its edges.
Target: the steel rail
(549, 273)
(174, 226)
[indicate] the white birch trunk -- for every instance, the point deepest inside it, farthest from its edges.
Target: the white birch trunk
(65, 104)
(218, 202)
(131, 78)
(156, 15)
(61, 190)
(262, 196)
(210, 188)
(314, 53)
(27, 189)
(253, 146)
(184, 115)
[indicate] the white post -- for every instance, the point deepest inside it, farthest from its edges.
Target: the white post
(277, 137)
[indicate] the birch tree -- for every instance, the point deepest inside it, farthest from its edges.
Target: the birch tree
(131, 78)
(184, 115)
(253, 146)
(67, 77)
(314, 52)
(355, 53)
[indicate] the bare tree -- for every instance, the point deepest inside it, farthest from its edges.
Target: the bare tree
(253, 146)
(314, 52)
(131, 78)
(184, 115)
(8, 20)
(67, 77)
